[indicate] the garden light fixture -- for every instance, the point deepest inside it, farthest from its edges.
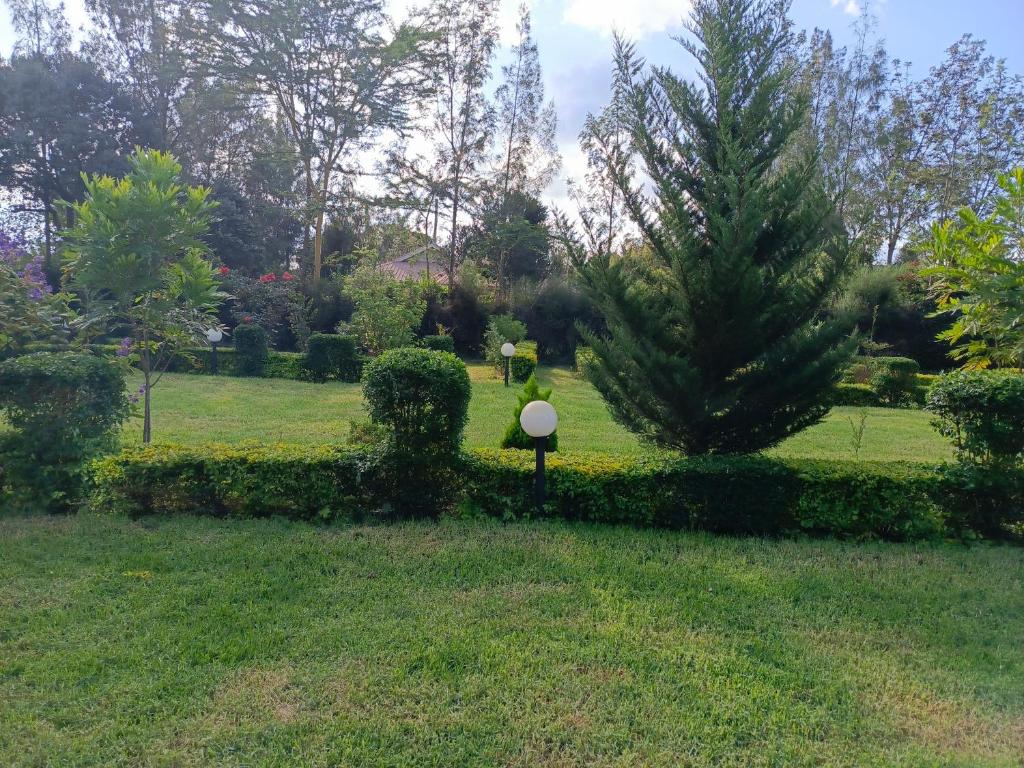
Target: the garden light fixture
(539, 420)
(214, 336)
(507, 350)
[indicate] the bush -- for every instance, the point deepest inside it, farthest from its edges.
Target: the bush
(515, 437)
(893, 378)
(500, 329)
(439, 343)
(524, 362)
(860, 395)
(422, 399)
(250, 350)
(64, 408)
(735, 495)
(583, 357)
(983, 413)
(330, 356)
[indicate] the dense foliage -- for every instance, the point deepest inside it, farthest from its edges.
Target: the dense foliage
(983, 413)
(439, 343)
(978, 279)
(422, 399)
(29, 311)
(64, 408)
(716, 342)
(330, 356)
(386, 311)
(722, 494)
(251, 350)
(514, 436)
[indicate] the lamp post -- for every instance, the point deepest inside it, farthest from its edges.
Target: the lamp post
(507, 350)
(539, 420)
(214, 336)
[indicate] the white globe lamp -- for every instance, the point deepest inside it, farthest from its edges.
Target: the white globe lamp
(539, 419)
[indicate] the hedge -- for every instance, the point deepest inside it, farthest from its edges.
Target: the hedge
(735, 495)
(524, 362)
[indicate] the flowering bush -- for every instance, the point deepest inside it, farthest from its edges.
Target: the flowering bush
(29, 309)
(275, 305)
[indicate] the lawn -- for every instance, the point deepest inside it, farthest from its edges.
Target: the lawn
(195, 641)
(200, 408)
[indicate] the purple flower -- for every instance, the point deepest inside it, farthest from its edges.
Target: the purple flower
(125, 347)
(134, 399)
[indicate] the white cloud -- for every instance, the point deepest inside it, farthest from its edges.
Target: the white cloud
(634, 19)
(851, 7)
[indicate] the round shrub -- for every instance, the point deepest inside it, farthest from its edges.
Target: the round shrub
(251, 351)
(64, 408)
(893, 378)
(983, 413)
(439, 343)
(331, 356)
(523, 363)
(421, 400)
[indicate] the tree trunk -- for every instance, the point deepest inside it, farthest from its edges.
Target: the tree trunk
(890, 251)
(455, 219)
(147, 419)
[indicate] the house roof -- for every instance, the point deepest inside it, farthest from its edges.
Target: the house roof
(418, 263)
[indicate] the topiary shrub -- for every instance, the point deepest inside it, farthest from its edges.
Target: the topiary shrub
(331, 356)
(524, 362)
(250, 350)
(983, 413)
(860, 395)
(64, 408)
(515, 437)
(421, 399)
(439, 343)
(894, 379)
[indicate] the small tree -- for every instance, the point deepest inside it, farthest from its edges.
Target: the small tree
(29, 310)
(978, 278)
(515, 437)
(387, 310)
(135, 259)
(716, 342)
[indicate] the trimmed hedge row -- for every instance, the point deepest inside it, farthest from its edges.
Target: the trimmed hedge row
(735, 495)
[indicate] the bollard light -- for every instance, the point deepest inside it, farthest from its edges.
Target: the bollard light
(214, 336)
(539, 420)
(507, 351)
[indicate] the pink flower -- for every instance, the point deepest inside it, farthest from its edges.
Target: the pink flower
(223, 271)
(268, 278)
(287, 276)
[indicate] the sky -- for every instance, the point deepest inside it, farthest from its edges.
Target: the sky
(574, 41)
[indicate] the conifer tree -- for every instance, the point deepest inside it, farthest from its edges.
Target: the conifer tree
(515, 437)
(715, 342)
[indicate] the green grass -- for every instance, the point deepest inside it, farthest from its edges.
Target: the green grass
(199, 642)
(225, 409)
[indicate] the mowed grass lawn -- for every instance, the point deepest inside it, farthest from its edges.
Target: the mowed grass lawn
(199, 642)
(190, 408)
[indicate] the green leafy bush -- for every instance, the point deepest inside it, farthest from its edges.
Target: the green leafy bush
(242, 480)
(983, 413)
(331, 356)
(584, 356)
(893, 378)
(515, 437)
(439, 343)
(859, 395)
(422, 399)
(735, 495)
(63, 408)
(250, 350)
(524, 362)
(501, 328)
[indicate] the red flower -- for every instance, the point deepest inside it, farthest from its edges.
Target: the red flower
(287, 276)
(268, 278)
(223, 270)
(247, 319)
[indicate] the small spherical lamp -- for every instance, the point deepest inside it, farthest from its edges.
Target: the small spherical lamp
(214, 336)
(508, 349)
(539, 420)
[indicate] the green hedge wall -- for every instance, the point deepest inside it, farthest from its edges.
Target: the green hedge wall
(737, 495)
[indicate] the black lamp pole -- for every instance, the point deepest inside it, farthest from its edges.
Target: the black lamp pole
(540, 444)
(506, 370)
(213, 358)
